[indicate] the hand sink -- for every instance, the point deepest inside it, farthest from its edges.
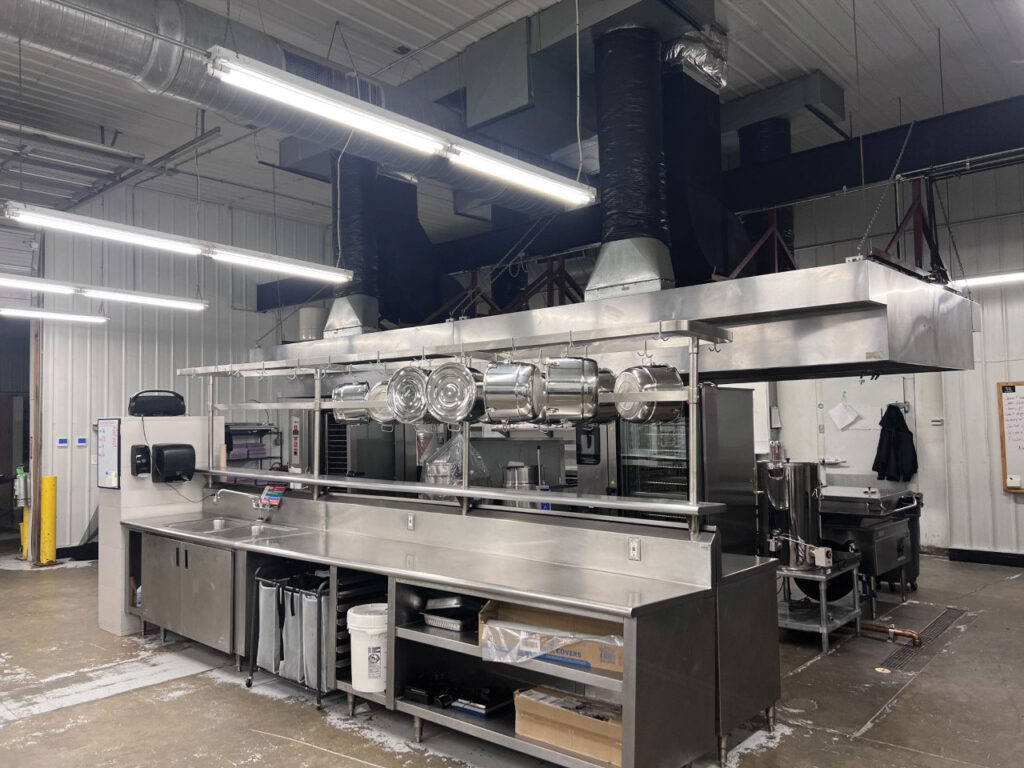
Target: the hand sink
(256, 532)
(210, 525)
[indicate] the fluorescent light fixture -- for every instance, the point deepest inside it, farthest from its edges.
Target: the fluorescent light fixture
(300, 93)
(148, 299)
(279, 264)
(523, 175)
(35, 216)
(42, 314)
(35, 284)
(305, 95)
(42, 285)
(977, 282)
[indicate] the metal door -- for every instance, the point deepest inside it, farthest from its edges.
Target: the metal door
(207, 594)
(161, 581)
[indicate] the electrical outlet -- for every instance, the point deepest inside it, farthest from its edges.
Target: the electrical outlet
(410, 521)
(634, 548)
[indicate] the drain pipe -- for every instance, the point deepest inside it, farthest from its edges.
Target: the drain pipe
(893, 631)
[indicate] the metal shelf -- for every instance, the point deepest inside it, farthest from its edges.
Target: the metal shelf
(662, 506)
(621, 338)
(498, 729)
(808, 620)
(468, 643)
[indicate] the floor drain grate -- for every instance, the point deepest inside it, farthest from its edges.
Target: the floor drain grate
(902, 656)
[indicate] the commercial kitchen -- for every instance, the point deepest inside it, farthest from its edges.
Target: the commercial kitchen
(512, 383)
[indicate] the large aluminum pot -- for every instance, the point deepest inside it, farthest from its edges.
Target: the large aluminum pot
(649, 378)
(350, 393)
(407, 395)
(377, 404)
(513, 392)
(570, 389)
(455, 393)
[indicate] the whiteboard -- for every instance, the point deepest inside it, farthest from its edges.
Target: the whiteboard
(1011, 434)
(108, 453)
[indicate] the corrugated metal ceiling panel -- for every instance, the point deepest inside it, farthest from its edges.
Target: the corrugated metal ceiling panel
(897, 48)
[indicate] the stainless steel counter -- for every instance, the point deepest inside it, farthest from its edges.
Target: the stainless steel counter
(488, 574)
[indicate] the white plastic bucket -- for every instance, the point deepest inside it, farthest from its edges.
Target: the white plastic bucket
(368, 629)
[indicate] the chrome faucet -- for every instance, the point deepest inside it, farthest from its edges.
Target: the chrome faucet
(261, 505)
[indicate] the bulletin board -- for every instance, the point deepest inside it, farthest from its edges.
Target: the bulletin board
(108, 453)
(1011, 434)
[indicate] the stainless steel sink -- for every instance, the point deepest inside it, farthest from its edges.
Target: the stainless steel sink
(256, 532)
(211, 525)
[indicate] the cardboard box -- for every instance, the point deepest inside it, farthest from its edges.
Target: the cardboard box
(540, 629)
(585, 726)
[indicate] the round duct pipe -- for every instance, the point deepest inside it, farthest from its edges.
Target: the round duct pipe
(161, 45)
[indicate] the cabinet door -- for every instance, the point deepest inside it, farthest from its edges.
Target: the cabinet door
(207, 595)
(161, 581)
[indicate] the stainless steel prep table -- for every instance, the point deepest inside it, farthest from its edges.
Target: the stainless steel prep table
(667, 688)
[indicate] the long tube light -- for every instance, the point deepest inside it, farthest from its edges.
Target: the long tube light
(43, 285)
(299, 93)
(34, 216)
(523, 175)
(977, 282)
(31, 215)
(280, 264)
(42, 314)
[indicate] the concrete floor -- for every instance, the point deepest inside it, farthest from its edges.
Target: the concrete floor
(72, 695)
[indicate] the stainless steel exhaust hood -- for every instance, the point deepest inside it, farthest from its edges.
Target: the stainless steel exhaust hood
(845, 319)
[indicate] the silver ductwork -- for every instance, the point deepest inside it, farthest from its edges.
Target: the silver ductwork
(161, 45)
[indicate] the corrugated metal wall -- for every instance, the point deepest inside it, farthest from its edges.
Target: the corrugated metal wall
(961, 469)
(90, 372)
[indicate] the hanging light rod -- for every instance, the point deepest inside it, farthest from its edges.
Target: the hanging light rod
(35, 216)
(44, 285)
(328, 104)
(42, 314)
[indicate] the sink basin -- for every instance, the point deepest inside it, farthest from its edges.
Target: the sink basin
(255, 532)
(210, 525)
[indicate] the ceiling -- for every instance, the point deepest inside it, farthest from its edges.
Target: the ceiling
(895, 54)
(891, 75)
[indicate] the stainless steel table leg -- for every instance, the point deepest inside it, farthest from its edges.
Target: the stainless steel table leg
(769, 715)
(417, 728)
(903, 584)
(163, 635)
(856, 601)
(351, 705)
(723, 750)
(823, 618)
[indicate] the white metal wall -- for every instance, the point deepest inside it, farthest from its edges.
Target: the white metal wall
(90, 372)
(955, 417)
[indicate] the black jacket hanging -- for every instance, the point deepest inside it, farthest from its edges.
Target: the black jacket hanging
(896, 457)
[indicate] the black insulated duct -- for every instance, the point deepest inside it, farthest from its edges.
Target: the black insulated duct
(354, 244)
(762, 142)
(635, 235)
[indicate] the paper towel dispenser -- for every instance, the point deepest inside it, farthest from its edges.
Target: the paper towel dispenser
(172, 462)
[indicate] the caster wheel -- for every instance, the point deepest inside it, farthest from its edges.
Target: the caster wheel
(248, 683)
(913, 586)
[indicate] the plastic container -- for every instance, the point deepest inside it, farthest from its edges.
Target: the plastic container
(368, 630)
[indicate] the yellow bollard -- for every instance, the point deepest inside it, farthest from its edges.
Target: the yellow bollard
(25, 512)
(48, 520)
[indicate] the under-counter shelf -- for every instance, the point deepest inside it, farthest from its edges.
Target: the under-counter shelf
(467, 643)
(497, 729)
(376, 698)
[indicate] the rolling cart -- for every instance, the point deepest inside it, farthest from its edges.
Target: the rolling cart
(283, 610)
